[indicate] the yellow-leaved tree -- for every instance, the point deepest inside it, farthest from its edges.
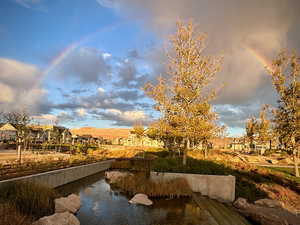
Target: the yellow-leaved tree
(183, 95)
(285, 73)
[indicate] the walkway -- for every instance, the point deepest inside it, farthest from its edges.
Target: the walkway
(219, 213)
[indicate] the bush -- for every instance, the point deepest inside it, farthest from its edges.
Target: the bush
(29, 198)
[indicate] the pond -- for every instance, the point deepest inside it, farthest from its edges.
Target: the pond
(100, 205)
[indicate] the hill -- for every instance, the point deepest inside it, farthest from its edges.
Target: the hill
(107, 133)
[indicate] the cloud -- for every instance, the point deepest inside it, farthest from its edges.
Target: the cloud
(129, 76)
(124, 118)
(81, 112)
(6, 95)
(101, 90)
(233, 28)
(87, 65)
(32, 4)
(20, 87)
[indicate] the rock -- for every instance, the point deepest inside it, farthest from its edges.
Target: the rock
(141, 199)
(241, 203)
(265, 215)
(114, 176)
(65, 218)
(269, 203)
(69, 204)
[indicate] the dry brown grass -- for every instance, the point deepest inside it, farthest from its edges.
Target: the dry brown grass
(9, 215)
(175, 188)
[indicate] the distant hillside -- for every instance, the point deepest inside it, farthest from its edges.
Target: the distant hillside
(107, 133)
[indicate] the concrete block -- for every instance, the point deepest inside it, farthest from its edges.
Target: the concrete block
(217, 187)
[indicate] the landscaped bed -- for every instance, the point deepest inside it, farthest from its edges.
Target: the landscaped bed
(29, 168)
(252, 182)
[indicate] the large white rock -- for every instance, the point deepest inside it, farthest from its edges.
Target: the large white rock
(141, 199)
(65, 218)
(68, 204)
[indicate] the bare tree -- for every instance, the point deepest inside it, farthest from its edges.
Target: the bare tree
(20, 120)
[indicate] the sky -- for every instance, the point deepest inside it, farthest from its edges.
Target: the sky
(84, 62)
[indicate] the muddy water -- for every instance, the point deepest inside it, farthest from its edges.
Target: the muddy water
(100, 205)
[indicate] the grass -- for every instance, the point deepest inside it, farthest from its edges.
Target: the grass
(138, 183)
(10, 215)
(249, 179)
(288, 173)
(30, 199)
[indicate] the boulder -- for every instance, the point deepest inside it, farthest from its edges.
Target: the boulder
(265, 215)
(269, 203)
(141, 199)
(241, 203)
(114, 176)
(65, 218)
(68, 204)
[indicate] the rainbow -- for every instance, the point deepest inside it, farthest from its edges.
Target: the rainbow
(67, 51)
(261, 58)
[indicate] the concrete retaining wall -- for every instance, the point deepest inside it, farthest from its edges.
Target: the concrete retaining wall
(60, 177)
(221, 188)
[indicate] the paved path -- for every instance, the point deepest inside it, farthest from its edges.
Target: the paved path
(219, 213)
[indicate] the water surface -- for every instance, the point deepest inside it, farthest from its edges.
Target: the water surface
(100, 205)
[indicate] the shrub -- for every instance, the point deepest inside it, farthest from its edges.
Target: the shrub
(29, 198)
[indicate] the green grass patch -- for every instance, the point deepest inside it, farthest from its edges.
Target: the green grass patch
(247, 177)
(288, 173)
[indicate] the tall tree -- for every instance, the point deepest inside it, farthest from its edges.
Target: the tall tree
(183, 95)
(264, 128)
(140, 132)
(251, 130)
(285, 73)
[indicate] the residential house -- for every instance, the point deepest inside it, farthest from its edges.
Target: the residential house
(134, 140)
(8, 132)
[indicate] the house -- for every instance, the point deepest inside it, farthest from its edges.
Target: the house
(52, 133)
(8, 132)
(36, 134)
(134, 140)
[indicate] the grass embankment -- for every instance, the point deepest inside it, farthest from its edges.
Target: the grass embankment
(23, 202)
(31, 167)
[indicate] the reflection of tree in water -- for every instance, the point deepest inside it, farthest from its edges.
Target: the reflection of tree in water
(177, 211)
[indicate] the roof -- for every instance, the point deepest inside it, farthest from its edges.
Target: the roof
(7, 127)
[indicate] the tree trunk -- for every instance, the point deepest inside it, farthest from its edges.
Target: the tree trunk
(205, 152)
(19, 151)
(296, 153)
(184, 159)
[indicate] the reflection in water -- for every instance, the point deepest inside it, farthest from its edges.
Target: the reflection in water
(102, 206)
